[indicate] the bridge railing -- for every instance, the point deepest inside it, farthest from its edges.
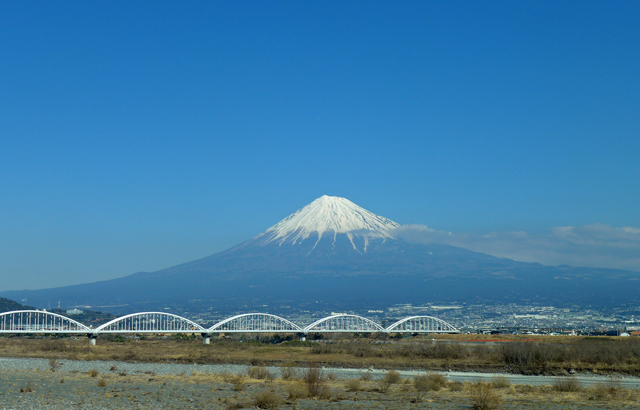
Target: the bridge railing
(421, 324)
(343, 323)
(150, 322)
(255, 323)
(37, 321)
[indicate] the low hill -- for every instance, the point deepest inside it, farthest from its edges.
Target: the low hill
(8, 305)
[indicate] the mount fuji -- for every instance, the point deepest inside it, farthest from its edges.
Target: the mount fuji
(334, 252)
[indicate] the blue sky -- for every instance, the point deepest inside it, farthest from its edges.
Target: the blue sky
(139, 135)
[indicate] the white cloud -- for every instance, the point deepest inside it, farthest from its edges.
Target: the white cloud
(598, 246)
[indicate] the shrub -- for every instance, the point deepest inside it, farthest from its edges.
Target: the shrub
(392, 377)
(314, 379)
(102, 383)
(614, 383)
(93, 372)
(485, 397)
(288, 371)
(354, 385)
(267, 399)
(428, 382)
(566, 384)
(332, 376)
(54, 364)
(296, 391)
(456, 386)
(366, 376)
(260, 373)
(238, 382)
(500, 382)
(599, 392)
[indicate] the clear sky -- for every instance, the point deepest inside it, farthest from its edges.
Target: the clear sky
(139, 135)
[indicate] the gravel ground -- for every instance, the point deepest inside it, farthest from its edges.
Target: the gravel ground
(29, 384)
(341, 373)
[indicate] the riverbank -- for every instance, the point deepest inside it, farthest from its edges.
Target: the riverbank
(31, 384)
(458, 353)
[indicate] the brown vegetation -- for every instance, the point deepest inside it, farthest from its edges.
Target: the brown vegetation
(428, 382)
(551, 355)
(268, 399)
(314, 379)
(485, 397)
(220, 391)
(567, 384)
(259, 373)
(392, 377)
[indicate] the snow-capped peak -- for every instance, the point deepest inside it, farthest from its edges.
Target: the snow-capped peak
(329, 214)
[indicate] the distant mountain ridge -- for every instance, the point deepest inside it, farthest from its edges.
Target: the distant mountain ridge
(335, 252)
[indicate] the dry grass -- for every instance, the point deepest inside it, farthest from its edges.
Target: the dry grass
(314, 379)
(296, 391)
(500, 382)
(366, 376)
(268, 399)
(288, 371)
(54, 364)
(354, 385)
(482, 396)
(390, 378)
(525, 353)
(259, 373)
(485, 397)
(567, 384)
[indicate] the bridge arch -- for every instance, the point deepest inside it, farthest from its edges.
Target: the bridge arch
(150, 322)
(39, 321)
(421, 324)
(343, 323)
(254, 323)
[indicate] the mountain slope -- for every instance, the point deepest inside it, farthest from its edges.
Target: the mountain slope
(7, 305)
(338, 253)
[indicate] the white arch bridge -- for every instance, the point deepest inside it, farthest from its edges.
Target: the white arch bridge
(38, 321)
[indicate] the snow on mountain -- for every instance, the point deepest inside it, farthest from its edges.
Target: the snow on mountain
(328, 215)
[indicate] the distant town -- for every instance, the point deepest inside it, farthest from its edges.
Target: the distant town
(469, 318)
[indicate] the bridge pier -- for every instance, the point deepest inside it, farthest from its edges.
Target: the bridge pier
(303, 337)
(206, 338)
(92, 339)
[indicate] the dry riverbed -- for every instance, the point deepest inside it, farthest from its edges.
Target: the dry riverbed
(256, 387)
